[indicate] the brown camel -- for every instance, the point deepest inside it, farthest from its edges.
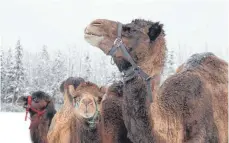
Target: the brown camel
(108, 125)
(112, 124)
(88, 96)
(81, 105)
(190, 106)
(41, 110)
(63, 126)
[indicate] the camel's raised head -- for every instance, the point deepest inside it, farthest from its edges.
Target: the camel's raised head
(88, 97)
(144, 40)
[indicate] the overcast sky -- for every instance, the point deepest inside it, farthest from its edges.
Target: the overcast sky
(192, 24)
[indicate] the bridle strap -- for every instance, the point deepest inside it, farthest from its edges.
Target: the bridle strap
(92, 120)
(134, 70)
(29, 101)
(117, 41)
(29, 107)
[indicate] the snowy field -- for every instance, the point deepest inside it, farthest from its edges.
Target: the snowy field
(13, 128)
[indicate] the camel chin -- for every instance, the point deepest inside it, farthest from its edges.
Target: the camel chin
(93, 39)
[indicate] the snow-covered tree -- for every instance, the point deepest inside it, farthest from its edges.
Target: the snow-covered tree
(19, 73)
(9, 80)
(42, 72)
(169, 68)
(3, 74)
(58, 74)
(87, 70)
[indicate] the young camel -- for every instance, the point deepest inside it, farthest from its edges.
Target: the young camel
(41, 109)
(63, 126)
(190, 106)
(101, 121)
(81, 107)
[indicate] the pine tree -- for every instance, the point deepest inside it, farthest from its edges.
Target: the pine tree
(3, 75)
(169, 65)
(87, 67)
(19, 73)
(9, 78)
(59, 73)
(103, 71)
(42, 73)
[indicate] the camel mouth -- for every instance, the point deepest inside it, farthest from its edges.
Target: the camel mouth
(87, 115)
(92, 31)
(93, 39)
(91, 34)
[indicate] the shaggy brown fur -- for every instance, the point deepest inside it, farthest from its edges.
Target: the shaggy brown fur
(40, 125)
(63, 128)
(201, 103)
(113, 127)
(187, 107)
(70, 125)
(89, 93)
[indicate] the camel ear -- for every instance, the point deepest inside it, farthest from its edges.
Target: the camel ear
(179, 69)
(62, 86)
(72, 90)
(155, 30)
(102, 90)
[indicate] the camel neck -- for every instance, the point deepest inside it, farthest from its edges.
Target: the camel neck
(136, 111)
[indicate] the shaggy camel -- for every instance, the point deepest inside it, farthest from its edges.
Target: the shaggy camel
(190, 106)
(112, 124)
(80, 113)
(63, 125)
(41, 110)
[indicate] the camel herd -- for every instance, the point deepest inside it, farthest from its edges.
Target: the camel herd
(190, 106)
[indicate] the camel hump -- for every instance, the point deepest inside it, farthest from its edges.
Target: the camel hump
(197, 59)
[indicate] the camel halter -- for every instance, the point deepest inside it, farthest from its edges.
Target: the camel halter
(40, 113)
(134, 70)
(91, 121)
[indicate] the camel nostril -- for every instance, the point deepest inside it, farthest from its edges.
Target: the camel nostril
(96, 23)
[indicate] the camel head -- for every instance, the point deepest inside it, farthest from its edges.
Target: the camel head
(39, 101)
(144, 41)
(86, 96)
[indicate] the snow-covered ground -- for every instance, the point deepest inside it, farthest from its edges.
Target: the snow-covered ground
(14, 128)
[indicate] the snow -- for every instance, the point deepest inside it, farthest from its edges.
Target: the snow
(14, 128)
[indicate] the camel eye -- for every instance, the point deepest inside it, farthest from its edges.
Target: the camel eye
(126, 29)
(77, 99)
(35, 99)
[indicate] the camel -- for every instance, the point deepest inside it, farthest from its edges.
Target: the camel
(78, 119)
(41, 109)
(63, 125)
(190, 106)
(109, 126)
